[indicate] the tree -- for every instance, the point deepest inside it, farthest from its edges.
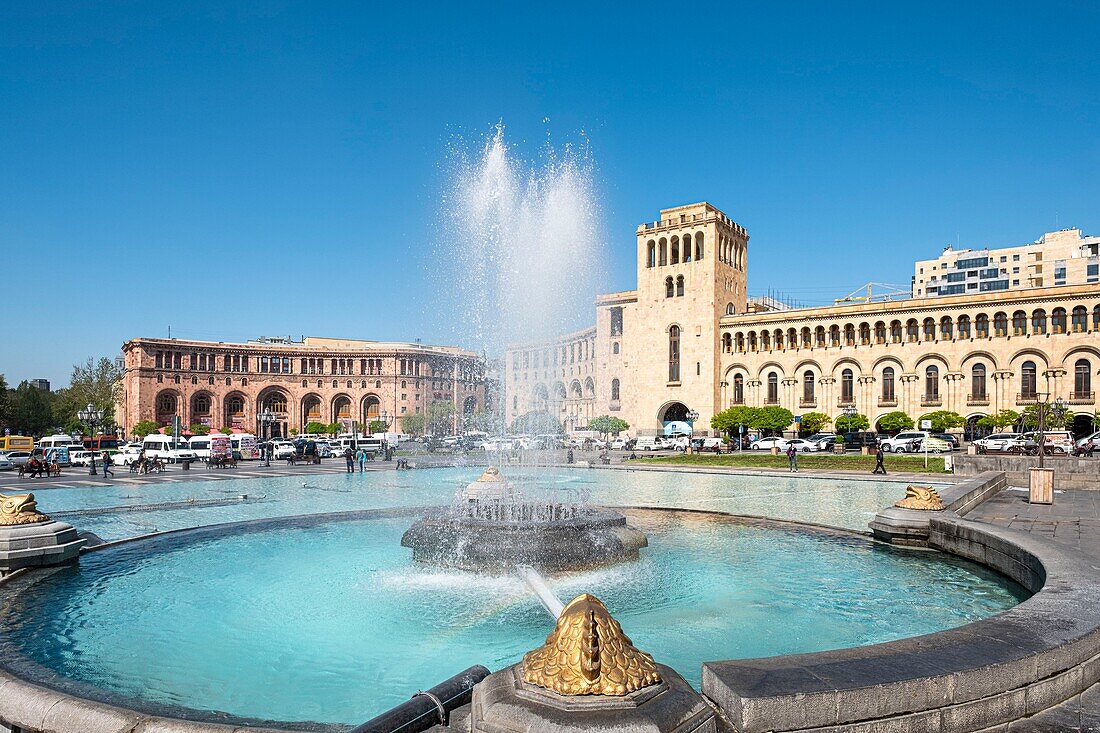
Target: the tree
(376, 426)
(226, 431)
(145, 427)
(606, 425)
(316, 428)
(772, 419)
(414, 424)
(1030, 419)
(1000, 420)
(95, 382)
(31, 412)
(852, 424)
(440, 417)
(895, 422)
(5, 404)
(199, 429)
(537, 423)
(815, 422)
(730, 420)
(944, 420)
(333, 428)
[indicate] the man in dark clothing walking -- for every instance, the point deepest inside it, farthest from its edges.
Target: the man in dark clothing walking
(349, 459)
(107, 464)
(880, 465)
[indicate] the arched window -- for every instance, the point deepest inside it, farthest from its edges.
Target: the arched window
(740, 343)
(651, 254)
(663, 252)
(977, 382)
(1082, 379)
(895, 332)
(808, 387)
(945, 328)
(765, 341)
(864, 334)
(615, 348)
(847, 386)
(1096, 318)
(792, 338)
(912, 330)
(888, 384)
(738, 389)
(752, 341)
(234, 405)
(1019, 323)
(698, 246)
(727, 343)
(275, 402)
(1028, 381)
(679, 286)
(1058, 320)
(669, 287)
(849, 335)
(964, 327)
(834, 335)
(778, 339)
(1039, 321)
(1080, 319)
(981, 326)
(674, 354)
(932, 383)
(880, 333)
(166, 404)
(1000, 324)
(819, 336)
(674, 258)
(807, 341)
(773, 389)
(730, 309)
(929, 329)
(615, 389)
(202, 405)
(687, 248)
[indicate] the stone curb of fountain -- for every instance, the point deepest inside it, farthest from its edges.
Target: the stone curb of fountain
(910, 527)
(987, 673)
(935, 478)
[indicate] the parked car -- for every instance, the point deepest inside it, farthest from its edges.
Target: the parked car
(953, 440)
(712, 444)
(1094, 439)
(997, 442)
(803, 445)
(81, 457)
(855, 441)
(1055, 441)
(823, 441)
(769, 443)
(932, 444)
(650, 442)
(282, 450)
(617, 444)
(904, 442)
(128, 455)
(5, 464)
(17, 457)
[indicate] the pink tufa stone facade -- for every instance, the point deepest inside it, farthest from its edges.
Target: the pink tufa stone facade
(323, 380)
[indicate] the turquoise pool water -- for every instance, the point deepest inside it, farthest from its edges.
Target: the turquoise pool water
(335, 624)
(842, 503)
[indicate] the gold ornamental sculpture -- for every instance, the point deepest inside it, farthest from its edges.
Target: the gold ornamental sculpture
(20, 509)
(587, 653)
(921, 497)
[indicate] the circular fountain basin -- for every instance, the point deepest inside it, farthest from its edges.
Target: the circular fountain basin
(595, 537)
(313, 619)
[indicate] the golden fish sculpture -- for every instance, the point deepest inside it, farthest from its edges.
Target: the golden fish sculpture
(587, 653)
(20, 509)
(921, 497)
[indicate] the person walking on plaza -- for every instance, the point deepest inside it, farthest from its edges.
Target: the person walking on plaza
(107, 464)
(792, 457)
(361, 456)
(880, 465)
(349, 460)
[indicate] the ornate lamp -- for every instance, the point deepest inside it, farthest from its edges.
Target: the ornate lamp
(91, 417)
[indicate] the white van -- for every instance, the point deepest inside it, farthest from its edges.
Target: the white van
(650, 442)
(167, 448)
(244, 446)
(59, 441)
(202, 445)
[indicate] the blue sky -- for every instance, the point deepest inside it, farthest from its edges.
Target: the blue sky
(238, 169)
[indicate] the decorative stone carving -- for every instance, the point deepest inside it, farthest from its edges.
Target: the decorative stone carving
(924, 498)
(20, 509)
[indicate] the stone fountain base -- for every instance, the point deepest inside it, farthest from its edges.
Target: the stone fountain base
(37, 544)
(594, 538)
(504, 703)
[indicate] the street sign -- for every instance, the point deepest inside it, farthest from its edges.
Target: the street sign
(925, 424)
(798, 418)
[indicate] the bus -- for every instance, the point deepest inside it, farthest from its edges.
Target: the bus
(244, 446)
(102, 442)
(16, 442)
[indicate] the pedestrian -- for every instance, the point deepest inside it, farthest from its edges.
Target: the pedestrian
(107, 464)
(792, 457)
(349, 459)
(880, 465)
(361, 455)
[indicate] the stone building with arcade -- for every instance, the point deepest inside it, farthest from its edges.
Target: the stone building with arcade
(688, 343)
(228, 385)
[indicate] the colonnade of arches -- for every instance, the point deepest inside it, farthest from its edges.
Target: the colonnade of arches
(1001, 324)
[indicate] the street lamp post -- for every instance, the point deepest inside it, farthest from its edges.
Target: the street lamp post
(692, 416)
(91, 417)
(849, 412)
(384, 418)
(266, 419)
